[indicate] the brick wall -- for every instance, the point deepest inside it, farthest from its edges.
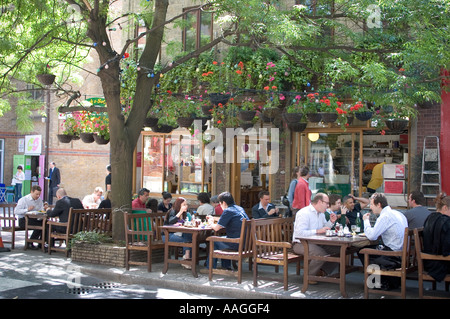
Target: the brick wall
(428, 124)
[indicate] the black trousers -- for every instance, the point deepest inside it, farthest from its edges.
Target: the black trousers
(37, 234)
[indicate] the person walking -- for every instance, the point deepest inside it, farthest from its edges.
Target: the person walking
(54, 178)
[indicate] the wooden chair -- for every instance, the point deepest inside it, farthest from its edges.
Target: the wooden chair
(8, 222)
(406, 266)
(421, 256)
(272, 242)
(245, 243)
(142, 234)
(96, 220)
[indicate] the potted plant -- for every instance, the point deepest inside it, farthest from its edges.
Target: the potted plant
(328, 108)
(361, 111)
(87, 132)
(294, 111)
(215, 76)
(225, 115)
(101, 128)
(43, 74)
(311, 107)
(398, 119)
(70, 128)
(247, 109)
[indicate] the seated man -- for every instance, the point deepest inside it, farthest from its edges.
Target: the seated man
(93, 200)
(436, 238)
(390, 225)
(231, 220)
(28, 203)
(264, 209)
(309, 221)
(417, 214)
(62, 207)
(141, 200)
(354, 208)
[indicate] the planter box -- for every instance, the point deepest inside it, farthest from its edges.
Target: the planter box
(109, 254)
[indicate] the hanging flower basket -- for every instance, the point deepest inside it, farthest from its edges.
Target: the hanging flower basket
(64, 138)
(219, 98)
(185, 121)
(206, 109)
(87, 137)
(46, 79)
(246, 125)
(364, 116)
(100, 139)
(162, 128)
(150, 121)
(329, 117)
(293, 117)
(314, 117)
(246, 115)
(297, 127)
(397, 124)
(350, 120)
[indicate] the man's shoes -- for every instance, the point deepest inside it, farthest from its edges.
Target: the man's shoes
(312, 282)
(31, 246)
(4, 249)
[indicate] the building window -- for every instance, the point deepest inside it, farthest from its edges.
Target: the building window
(174, 163)
(36, 93)
(198, 29)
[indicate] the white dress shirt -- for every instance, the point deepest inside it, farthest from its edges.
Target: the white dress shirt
(390, 225)
(307, 221)
(25, 202)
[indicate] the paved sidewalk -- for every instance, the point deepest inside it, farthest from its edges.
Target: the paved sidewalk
(270, 284)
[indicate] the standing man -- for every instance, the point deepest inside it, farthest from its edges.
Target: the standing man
(28, 203)
(302, 193)
(54, 178)
(108, 178)
(264, 209)
(18, 179)
(310, 221)
(417, 215)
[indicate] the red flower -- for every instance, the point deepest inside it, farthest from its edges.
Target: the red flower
(126, 55)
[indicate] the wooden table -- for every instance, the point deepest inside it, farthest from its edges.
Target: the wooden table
(195, 231)
(40, 217)
(344, 243)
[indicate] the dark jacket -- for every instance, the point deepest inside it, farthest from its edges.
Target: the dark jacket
(436, 241)
(261, 213)
(63, 206)
(55, 179)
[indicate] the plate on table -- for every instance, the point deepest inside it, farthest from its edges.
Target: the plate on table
(362, 235)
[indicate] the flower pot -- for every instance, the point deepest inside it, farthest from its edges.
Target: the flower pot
(328, 117)
(364, 116)
(397, 124)
(150, 121)
(100, 139)
(350, 120)
(293, 117)
(246, 125)
(297, 127)
(87, 137)
(219, 98)
(246, 115)
(314, 117)
(206, 109)
(185, 121)
(162, 128)
(64, 138)
(46, 79)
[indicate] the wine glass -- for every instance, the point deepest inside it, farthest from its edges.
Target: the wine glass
(354, 229)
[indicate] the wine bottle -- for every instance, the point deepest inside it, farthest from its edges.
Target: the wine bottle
(358, 224)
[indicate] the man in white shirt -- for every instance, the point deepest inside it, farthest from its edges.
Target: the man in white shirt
(310, 221)
(390, 225)
(93, 200)
(28, 203)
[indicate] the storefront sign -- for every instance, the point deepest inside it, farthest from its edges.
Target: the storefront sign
(394, 187)
(33, 144)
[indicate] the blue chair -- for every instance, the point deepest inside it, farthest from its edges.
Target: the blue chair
(3, 193)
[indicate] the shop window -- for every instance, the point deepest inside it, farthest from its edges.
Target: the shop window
(198, 29)
(174, 163)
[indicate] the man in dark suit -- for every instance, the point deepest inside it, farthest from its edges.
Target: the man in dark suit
(264, 209)
(54, 178)
(62, 207)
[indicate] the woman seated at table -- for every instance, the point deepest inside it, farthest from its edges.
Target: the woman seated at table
(176, 216)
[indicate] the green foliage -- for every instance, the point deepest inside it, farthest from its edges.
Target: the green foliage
(90, 238)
